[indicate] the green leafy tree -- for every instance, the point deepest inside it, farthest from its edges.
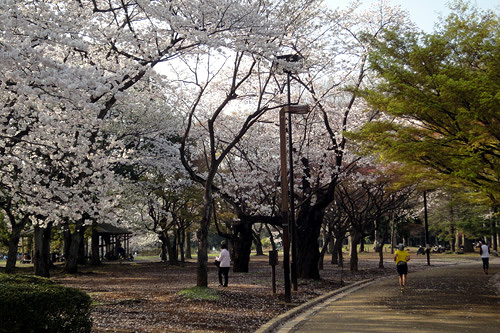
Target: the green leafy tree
(454, 213)
(438, 103)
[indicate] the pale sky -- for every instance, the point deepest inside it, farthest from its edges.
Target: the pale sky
(423, 12)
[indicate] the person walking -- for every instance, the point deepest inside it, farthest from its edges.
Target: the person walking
(484, 251)
(401, 258)
(225, 263)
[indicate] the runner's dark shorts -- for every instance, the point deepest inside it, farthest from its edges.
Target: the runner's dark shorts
(402, 268)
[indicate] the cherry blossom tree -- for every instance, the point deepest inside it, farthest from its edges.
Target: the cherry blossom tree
(247, 84)
(329, 78)
(66, 64)
(332, 84)
(333, 71)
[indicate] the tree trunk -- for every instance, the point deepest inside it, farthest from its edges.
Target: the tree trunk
(82, 254)
(202, 269)
(452, 239)
(458, 239)
(76, 237)
(340, 255)
(335, 251)
(330, 245)
(14, 237)
(355, 239)
(381, 249)
(95, 258)
(66, 234)
(41, 257)
(172, 255)
(259, 251)
(468, 247)
(494, 235)
(309, 223)
(242, 242)
(393, 235)
(381, 234)
(163, 239)
(182, 241)
(322, 256)
(188, 245)
(381, 256)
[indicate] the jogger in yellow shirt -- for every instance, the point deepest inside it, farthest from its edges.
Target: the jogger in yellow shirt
(401, 258)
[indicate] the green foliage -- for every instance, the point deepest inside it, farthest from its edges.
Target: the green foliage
(200, 293)
(4, 233)
(33, 304)
(439, 102)
(266, 242)
(456, 210)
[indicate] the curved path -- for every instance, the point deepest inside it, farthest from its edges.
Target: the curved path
(458, 298)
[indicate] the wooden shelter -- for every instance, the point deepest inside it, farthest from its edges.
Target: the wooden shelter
(113, 241)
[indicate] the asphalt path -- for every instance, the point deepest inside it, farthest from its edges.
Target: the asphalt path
(456, 298)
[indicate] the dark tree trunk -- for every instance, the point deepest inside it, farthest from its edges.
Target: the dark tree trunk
(322, 256)
(163, 254)
(452, 239)
(188, 245)
(309, 223)
(95, 258)
(71, 263)
(242, 246)
(340, 255)
(14, 237)
(17, 227)
(12, 253)
(381, 234)
(82, 255)
(259, 251)
(330, 245)
(172, 255)
(338, 243)
(202, 268)
(381, 256)
(335, 252)
(66, 240)
(355, 240)
(494, 235)
(41, 257)
(393, 236)
(182, 240)
(468, 247)
(381, 249)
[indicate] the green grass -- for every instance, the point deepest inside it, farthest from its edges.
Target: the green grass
(200, 293)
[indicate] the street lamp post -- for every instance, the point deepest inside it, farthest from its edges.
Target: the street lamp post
(291, 217)
(295, 109)
(426, 225)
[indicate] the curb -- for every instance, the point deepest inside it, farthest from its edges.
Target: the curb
(305, 310)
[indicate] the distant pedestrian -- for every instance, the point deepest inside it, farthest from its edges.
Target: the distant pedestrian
(225, 263)
(401, 258)
(484, 251)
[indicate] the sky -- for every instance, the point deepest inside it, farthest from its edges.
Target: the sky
(423, 12)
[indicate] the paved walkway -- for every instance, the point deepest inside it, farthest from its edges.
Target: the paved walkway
(458, 298)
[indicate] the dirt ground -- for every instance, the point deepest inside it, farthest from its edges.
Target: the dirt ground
(143, 296)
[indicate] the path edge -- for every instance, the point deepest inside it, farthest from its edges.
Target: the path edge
(279, 320)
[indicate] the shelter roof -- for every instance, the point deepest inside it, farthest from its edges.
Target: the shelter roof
(106, 228)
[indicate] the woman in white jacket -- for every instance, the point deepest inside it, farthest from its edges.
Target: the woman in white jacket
(485, 256)
(225, 263)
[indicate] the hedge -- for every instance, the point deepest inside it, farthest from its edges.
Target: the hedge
(34, 304)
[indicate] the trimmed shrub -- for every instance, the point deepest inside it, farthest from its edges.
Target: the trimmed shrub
(34, 304)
